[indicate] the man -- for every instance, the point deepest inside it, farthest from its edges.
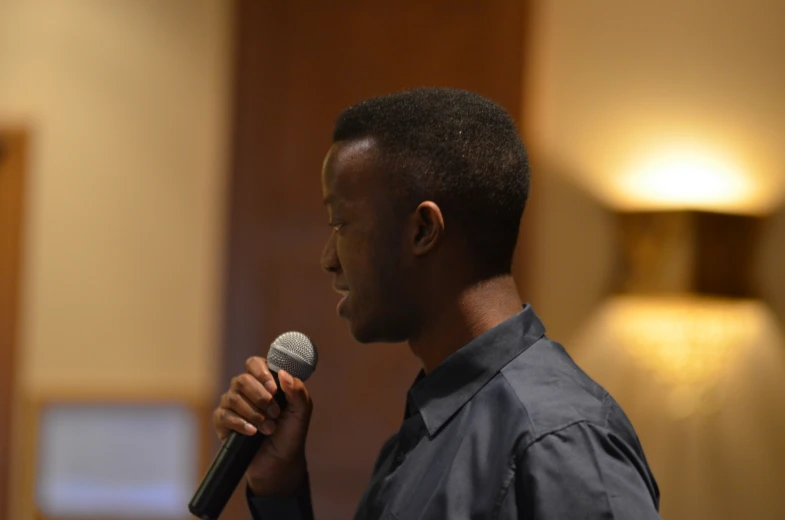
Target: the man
(425, 191)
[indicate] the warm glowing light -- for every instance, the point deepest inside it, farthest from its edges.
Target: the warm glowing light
(686, 177)
(685, 343)
(683, 340)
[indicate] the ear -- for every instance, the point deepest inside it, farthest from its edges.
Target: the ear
(427, 228)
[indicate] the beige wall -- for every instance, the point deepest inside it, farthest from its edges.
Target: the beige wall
(621, 78)
(625, 78)
(618, 81)
(127, 102)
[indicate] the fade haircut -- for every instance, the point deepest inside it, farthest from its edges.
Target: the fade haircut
(458, 149)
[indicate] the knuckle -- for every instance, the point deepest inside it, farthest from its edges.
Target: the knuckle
(252, 363)
(234, 401)
(243, 382)
(256, 365)
(223, 417)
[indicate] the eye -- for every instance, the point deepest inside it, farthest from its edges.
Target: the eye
(336, 226)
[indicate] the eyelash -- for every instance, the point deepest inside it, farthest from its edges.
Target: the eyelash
(335, 225)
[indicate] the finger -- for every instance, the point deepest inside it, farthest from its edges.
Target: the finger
(239, 405)
(255, 393)
(226, 421)
(257, 367)
(299, 402)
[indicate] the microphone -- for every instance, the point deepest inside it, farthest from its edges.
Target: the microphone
(291, 351)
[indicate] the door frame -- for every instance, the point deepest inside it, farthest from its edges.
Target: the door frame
(13, 162)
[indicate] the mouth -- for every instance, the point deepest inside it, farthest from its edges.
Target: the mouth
(341, 290)
(344, 292)
(339, 309)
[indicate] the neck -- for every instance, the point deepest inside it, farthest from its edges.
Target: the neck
(472, 312)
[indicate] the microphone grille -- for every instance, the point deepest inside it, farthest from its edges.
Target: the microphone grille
(295, 353)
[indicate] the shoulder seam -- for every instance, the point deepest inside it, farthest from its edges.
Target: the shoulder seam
(531, 425)
(551, 432)
(608, 409)
(517, 399)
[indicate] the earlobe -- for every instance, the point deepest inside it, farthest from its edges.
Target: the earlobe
(428, 227)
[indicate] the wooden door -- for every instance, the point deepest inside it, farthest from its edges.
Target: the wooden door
(298, 64)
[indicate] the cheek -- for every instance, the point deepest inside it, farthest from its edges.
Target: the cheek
(362, 268)
(349, 256)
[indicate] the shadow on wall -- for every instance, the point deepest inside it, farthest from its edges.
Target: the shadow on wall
(572, 251)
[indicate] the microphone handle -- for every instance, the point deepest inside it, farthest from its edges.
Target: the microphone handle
(228, 468)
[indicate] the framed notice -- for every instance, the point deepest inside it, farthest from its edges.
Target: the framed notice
(121, 460)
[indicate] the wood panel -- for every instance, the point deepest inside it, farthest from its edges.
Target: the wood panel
(12, 167)
(298, 65)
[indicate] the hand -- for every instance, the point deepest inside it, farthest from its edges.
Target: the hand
(279, 466)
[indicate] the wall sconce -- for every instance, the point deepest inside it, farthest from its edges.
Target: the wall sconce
(684, 302)
(686, 252)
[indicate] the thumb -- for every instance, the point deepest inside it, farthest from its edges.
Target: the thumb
(297, 398)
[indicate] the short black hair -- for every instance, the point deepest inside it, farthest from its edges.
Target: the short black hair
(460, 150)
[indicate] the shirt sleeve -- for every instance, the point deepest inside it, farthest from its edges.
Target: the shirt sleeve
(293, 507)
(584, 472)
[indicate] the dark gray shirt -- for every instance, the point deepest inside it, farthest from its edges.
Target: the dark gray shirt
(507, 427)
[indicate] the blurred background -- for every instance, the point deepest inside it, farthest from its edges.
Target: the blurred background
(160, 221)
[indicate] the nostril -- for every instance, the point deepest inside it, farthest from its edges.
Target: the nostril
(327, 266)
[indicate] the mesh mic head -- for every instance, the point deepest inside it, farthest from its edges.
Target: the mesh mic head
(295, 353)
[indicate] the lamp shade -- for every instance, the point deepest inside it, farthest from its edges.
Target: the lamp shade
(686, 252)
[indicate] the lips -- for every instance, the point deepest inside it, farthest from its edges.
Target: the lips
(341, 304)
(344, 292)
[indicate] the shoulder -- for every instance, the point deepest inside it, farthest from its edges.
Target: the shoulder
(553, 392)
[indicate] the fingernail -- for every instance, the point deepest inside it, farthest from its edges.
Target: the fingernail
(285, 378)
(249, 428)
(268, 427)
(270, 386)
(274, 410)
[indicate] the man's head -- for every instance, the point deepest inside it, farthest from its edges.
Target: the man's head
(425, 189)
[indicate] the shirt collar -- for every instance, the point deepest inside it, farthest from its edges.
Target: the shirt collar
(440, 394)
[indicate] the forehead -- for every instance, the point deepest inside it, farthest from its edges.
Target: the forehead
(351, 171)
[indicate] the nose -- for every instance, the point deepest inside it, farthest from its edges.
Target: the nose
(329, 260)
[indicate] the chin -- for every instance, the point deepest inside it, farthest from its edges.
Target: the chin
(360, 333)
(371, 333)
